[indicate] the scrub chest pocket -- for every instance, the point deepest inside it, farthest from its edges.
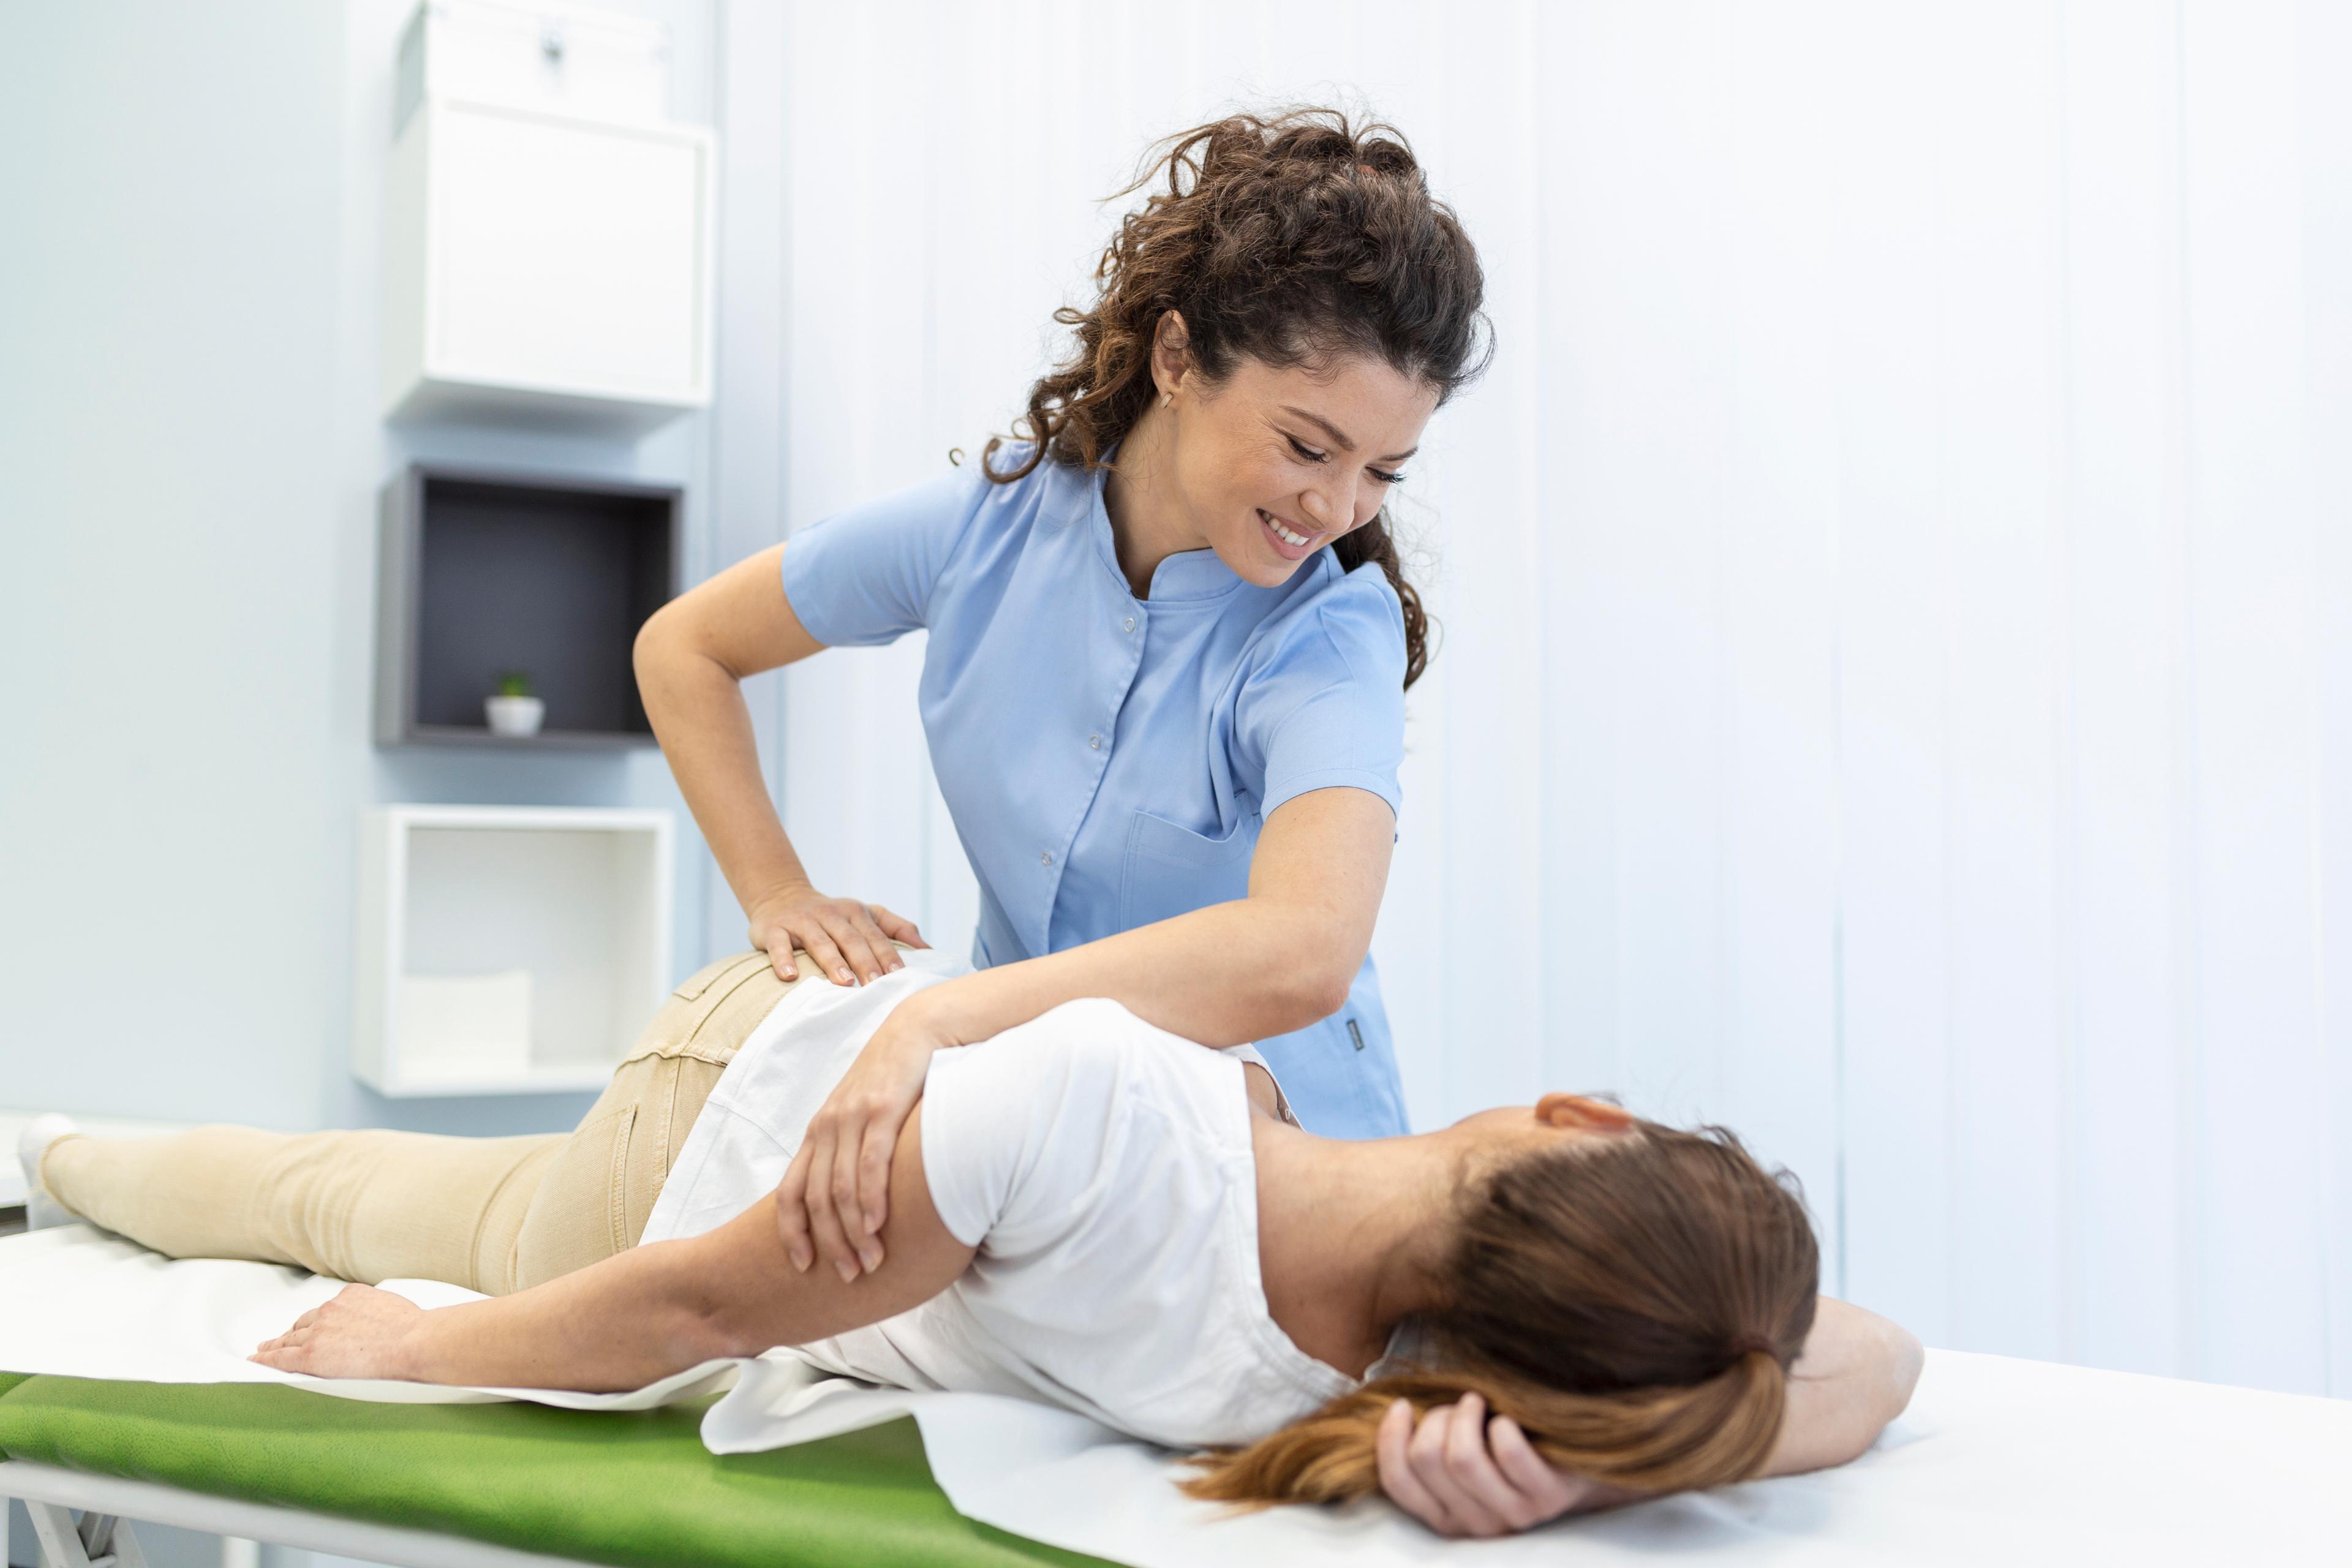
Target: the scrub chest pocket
(1172, 870)
(1339, 1073)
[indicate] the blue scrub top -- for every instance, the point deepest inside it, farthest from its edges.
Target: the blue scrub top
(1108, 759)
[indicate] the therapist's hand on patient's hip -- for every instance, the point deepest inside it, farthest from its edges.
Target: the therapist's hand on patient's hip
(835, 1195)
(849, 942)
(1460, 1474)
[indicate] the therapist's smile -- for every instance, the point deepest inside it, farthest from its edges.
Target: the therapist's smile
(1289, 541)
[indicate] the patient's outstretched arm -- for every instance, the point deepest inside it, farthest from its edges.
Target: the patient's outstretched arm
(642, 1315)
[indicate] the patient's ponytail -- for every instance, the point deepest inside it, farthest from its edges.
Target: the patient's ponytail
(1634, 1301)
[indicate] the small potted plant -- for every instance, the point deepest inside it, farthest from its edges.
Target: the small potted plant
(513, 711)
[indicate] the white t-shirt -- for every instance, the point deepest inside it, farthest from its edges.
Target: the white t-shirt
(1103, 1169)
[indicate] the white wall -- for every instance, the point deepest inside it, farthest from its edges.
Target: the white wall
(169, 234)
(1896, 694)
(190, 452)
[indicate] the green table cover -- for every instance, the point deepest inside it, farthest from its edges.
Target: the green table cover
(637, 1489)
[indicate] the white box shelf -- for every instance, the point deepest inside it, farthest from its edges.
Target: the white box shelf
(507, 950)
(545, 268)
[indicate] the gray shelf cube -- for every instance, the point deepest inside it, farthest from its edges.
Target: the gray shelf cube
(481, 571)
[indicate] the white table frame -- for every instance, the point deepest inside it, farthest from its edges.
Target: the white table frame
(102, 1538)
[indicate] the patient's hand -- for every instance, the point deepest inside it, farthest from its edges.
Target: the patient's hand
(362, 1332)
(1460, 1474)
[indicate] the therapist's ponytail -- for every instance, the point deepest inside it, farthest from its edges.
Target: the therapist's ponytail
(1288, 238)
(1634, 1301)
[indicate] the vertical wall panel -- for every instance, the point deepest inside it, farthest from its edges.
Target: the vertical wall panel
(1655, 226)
(1488, 545)
(1997, 283)
(1892, 701)
(1780, 518)
(1578, 669)
(2252, 555)
(2324, 46)
(2120, 565)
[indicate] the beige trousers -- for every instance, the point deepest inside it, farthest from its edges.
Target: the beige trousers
(496, 1215)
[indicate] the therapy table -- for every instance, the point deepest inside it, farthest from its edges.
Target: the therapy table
(1998, 1460)
(470, 1485)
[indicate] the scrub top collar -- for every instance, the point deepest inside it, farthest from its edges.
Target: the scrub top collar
(1189, 575)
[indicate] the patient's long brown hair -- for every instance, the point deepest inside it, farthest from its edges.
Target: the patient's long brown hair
(1632, 1301)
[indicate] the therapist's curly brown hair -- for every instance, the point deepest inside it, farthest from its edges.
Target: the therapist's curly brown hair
(1288, 237)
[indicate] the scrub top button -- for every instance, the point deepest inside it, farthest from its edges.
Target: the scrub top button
(1127, 625)
(1094, 742)
(1045, 857)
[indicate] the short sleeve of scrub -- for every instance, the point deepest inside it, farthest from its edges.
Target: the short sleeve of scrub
(1327, 707)
(865, 576)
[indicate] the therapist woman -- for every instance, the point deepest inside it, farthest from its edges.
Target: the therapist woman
(1169, 645)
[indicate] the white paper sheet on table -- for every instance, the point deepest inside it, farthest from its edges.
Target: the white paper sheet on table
(1997, 1460)
(2019, 1462)
(79, 1302)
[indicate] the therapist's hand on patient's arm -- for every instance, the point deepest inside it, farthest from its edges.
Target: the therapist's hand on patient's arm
(1460, 1473)
(835, 1195)
(848, 941)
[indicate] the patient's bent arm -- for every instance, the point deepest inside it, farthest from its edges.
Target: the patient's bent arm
(1855, 1375)
(653, 1310)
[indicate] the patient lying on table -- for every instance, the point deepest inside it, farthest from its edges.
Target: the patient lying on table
(1560, 1305)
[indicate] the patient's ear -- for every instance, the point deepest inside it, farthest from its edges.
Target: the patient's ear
(1578, 1110)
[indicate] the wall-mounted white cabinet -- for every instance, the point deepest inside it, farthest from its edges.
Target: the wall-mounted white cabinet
(543, 54)
(507, 950)
(548, 269)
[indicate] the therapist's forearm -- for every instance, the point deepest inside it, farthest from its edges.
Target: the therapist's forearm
(1224, 975)
(1279, 960)
(696, 708)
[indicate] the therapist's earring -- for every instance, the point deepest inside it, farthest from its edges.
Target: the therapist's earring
(1167, 400)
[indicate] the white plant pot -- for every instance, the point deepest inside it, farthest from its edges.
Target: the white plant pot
(515, 715)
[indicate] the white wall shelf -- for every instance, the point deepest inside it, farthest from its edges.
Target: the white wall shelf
(547, 269)
(507, 950)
